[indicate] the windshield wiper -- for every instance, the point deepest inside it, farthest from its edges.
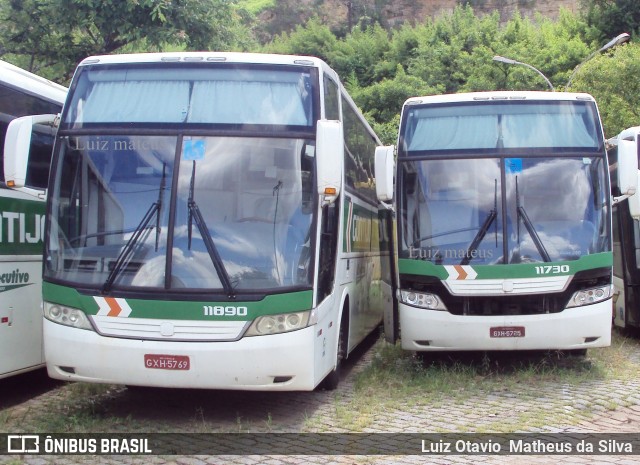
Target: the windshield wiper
(143, 228)
(276, 192)
(522, 214)
(140, 230)
(159, 202)
(196, 215)
(491, 217)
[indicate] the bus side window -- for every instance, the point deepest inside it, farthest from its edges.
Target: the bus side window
(331, 100)
(17, 104)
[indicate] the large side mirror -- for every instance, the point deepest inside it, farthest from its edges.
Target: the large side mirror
(384, 169)
(623, 160)
(329, 159)
(628, 174)
(17, 146)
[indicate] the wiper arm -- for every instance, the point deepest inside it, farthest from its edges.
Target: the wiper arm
(159, 203)
(522, 214)
(276, 192)
(140, 230)
(196, 215)
(85, 237)
(491, 217)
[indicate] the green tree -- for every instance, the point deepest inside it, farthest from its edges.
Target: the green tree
(555, 48)
(311, 39)
(383, 100)
(360, 54)
(611, 79)
(41, 34)
(612, 17)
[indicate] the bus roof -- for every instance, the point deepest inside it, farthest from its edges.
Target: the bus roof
(25, 81)
(498, 96)
(211, 57)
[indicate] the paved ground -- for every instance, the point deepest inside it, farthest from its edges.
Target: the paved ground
(596, 406)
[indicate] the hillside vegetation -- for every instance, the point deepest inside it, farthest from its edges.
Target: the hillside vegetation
(384, 50)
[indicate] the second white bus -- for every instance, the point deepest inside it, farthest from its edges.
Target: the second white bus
(22, 221)
(504, 222)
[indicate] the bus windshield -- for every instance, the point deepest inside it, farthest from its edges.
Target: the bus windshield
(179, 176)
(487, 126)
(231, 213)
(505, 183)
(143, 94)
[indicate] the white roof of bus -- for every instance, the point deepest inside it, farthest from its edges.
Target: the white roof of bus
(497, 96)
(212, 57)
(19, 78)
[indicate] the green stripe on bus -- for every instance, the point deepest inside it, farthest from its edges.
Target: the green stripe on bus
(183, 310)
(522, 270)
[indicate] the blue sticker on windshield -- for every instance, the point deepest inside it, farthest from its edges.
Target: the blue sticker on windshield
(193, 150)
(513, 165)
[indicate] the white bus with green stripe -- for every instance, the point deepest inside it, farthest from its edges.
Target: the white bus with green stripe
(503, 223)
(22, 221)
(212, 223)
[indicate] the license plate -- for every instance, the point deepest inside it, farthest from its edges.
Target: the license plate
(507, 331)
(166, 362)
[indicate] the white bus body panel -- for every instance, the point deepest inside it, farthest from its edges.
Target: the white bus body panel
(20, 307)
(564, 330)
(21, 317)
(251, 363)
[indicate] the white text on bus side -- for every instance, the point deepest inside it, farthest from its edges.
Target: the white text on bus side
(15, 226)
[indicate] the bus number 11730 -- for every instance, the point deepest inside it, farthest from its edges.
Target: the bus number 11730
(552, 269)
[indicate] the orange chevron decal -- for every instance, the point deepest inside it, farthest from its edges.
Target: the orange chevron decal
(114, 306)
(110, 306)
(462, 274)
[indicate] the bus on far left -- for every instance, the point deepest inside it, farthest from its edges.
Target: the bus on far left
(22, 221)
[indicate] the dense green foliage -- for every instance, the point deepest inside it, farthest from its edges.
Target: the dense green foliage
(454, 53)
(380, 67)
(612, 80)
(50, 37)
(610, 17)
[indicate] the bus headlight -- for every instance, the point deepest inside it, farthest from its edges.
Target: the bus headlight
(589, 296)
(66, 316)
(422, 300)
(281, 323)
